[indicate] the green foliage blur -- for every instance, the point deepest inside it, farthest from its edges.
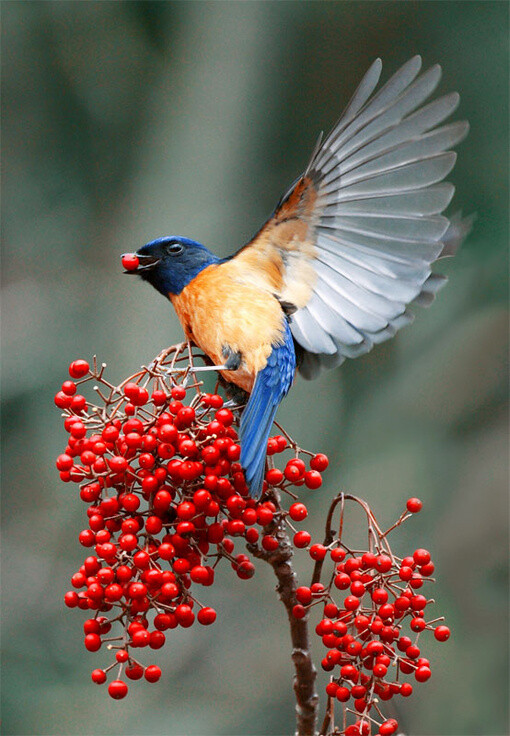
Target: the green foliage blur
(124, 121)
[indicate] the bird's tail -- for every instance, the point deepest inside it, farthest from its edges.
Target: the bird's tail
(271, 385)
(256, 423)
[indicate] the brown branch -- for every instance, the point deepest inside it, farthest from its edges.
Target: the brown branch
(307, 700)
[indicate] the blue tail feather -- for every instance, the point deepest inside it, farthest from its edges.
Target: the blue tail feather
(271, 385)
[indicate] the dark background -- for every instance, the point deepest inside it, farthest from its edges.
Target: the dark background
(123, 121)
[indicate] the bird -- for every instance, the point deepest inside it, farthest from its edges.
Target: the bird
(333, 271)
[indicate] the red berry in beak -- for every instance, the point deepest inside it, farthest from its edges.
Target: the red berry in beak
(130, 261)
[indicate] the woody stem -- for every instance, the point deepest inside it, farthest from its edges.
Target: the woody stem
(307, 700)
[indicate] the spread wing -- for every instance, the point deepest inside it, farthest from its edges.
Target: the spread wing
(351, 244)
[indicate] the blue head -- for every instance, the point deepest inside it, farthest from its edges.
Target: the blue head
(170, 263)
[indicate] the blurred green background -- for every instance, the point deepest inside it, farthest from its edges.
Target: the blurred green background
(123, 121)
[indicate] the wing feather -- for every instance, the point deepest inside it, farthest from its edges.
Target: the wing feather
(352, 243)
(428, 201)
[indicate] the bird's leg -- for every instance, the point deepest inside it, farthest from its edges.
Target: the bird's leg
(233, 361)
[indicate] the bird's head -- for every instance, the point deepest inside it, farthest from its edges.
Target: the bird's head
(169, 263)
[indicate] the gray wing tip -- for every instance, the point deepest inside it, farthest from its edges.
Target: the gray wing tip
(457, 231)
(415, 60)
(465, 127)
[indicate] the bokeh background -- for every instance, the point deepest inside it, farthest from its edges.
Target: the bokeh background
(123, 121)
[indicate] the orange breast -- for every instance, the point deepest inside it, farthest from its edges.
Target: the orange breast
(218, 309)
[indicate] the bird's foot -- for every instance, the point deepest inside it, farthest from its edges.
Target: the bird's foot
(232, 404)
(233, 358)
(233, 362)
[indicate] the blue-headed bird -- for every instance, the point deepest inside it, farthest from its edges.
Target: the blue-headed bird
(332, 272)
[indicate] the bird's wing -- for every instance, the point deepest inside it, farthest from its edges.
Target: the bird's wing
(351, 244)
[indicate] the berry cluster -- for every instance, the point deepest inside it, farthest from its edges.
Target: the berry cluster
(157, 464)
(374, 614)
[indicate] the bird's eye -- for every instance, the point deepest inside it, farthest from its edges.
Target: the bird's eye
(174, 249)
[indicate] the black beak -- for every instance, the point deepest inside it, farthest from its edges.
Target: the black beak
(145, 263)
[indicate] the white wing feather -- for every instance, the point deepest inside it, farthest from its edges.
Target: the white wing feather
(379, 179)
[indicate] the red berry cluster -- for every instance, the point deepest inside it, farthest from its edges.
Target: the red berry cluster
(373, 618)
(157, 464)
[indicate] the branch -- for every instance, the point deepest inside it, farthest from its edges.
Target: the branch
(307, 700)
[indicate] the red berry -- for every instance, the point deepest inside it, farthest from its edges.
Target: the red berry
(128, 542)
(69, 388)
(422, 674)
(383, 563)
(78, 368)
(153, 525)
(206, 616)
(225, 416)
(298, 511)
(302, 539)
(357, 588)
(269, 543)
(331, 689)
(351, 602)
(379, 596)
(413, 652)
(442, 633)
(113, 592)
(117, 463)
(135, 672)
(62, 400)
(152, 673)
(418, 624)
(274, 476)
(313, 479)
(342, 581)
(117, 689)
(304, 595)
(157, 639)
(264, 516)
(140, 638)
(414, 505)
(137, 590)
(406, 689)
(178, 393)
(293, 472)
(185, 615)
(319, 462)
(130, 261)
(349, 672)
(421, 556)
(405, 573)
(98, 676)
(158, 398)
(388, 727)
(199, 574)
(343, 694)
(337, 554)
(427, 569)
(71, 599)
(92, 642)
(317, 552)
(418, 602)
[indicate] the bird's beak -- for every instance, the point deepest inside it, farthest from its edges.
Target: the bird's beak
(143, 263)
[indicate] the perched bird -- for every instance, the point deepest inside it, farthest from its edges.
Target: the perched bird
(332, 272)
